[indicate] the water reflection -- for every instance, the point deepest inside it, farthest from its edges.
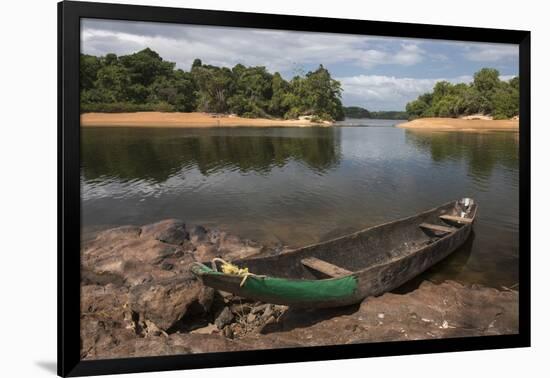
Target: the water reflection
(481, 151)
(158, 154)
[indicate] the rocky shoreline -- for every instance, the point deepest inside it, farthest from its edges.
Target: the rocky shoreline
(138, 298)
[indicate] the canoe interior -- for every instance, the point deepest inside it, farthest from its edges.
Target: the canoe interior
(377, 245)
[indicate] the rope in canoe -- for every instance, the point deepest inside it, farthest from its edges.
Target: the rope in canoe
(234, 270)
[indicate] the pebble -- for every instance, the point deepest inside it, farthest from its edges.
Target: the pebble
(224, 318)
(250, 318)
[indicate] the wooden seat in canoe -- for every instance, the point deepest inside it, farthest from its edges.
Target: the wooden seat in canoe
(325, 267)
(453, 218)
(437, 228)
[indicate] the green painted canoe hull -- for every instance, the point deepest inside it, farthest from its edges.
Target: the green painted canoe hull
(297, 293)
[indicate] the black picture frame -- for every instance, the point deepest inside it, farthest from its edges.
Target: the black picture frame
(69, 15)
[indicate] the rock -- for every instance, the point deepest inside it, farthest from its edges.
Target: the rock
(235, 248)
(232, 247)
(268, 312)
(228, 332)
(259, 308)
(240, 309)
(99, 340)
(250, 318)
(207, 330)
(167, 265)
(164, 302)
(109, 300)
(198, 234)
(431, 311)
(224, 318)
(125, 256)
(204, 301)
(140, 299)
(171, 231)
(269, 320)
(118, 233)
(206, 252)
(105, 319)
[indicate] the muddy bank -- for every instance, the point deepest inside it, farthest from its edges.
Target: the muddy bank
(138, 298)
(187, 120)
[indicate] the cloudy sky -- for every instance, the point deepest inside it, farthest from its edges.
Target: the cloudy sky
(376, 73)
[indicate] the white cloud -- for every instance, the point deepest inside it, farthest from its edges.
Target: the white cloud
(507, 77)
(490, 52)
(407, 55)
(278, 50)
(378, 92)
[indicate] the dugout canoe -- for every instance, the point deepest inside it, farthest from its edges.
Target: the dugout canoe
(347, 269)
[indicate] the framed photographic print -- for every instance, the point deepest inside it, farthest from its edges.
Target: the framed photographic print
(241, 188)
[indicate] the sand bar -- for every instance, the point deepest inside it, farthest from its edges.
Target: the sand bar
(456, 124)
(184, 120)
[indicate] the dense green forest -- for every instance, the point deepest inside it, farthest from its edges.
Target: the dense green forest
(389, 114)
(356, 112)
(486, 95)
(145, 82)
(359, 112)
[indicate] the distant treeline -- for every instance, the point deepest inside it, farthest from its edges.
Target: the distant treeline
(359, 112)
(145, 82)
(486, 95)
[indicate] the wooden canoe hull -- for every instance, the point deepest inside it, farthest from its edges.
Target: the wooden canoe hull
(389, 263)
(297, 293)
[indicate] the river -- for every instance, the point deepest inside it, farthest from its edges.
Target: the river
(295, 186)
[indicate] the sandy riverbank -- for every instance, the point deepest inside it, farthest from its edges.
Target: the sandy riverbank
(456, 124)
(184, 120)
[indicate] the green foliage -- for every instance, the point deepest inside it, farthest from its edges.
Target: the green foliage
(143, 81)
(389, 114)
(125, 107)
(359, 112)
(356, 112)
(487, 95)
(89, 66)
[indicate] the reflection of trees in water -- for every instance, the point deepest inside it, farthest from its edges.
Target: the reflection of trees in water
(158, 154)
(482, 151)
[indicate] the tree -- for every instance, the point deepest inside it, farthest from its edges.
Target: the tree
(356, 112)
(279, 89)
(89, 66)
(420, 106)
(144, 81)
(487, 94)
(145, 66)
(252, 91)
(114, 81)
(486, 80)
(196, 63)
(214, 88)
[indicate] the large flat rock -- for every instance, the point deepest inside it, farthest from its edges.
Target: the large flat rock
(152, 263)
